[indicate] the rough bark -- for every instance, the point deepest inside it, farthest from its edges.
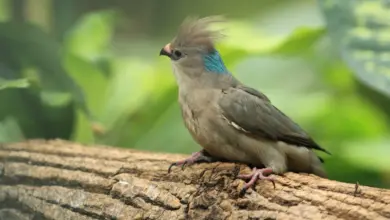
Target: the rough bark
(64, 180)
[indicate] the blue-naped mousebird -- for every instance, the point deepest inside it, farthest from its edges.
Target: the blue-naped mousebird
(229, 120)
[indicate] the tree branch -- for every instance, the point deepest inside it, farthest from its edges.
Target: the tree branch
(64, 180)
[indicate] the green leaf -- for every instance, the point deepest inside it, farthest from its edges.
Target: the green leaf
(138, 94)
(14, 83)
(53, 98)
(25, 46)
(128, 89)
(94, 85)
(361, 30)
(28, 52)
(86, 48)
(91, 35)
(300, 40)
(35, 119)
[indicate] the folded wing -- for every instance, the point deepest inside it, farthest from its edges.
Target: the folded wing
(251, 112)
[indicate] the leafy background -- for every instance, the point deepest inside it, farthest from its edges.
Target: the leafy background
(89, 71)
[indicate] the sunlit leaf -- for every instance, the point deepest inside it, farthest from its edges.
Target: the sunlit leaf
(94, 85)
(244, 35)
(128, 89)
(154, 83)
(300, 40)
(54, 98)
(86, 47)
(361, 30)
(16, 83)
(91, 35)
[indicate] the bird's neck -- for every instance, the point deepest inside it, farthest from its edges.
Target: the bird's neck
(214, 63)
(202, 80)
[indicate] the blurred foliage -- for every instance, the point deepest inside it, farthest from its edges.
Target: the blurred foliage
(13, 83)
(87, 77)
(361, 31)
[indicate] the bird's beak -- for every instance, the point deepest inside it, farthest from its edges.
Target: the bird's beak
(166, 51)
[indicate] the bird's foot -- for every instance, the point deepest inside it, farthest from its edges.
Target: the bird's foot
(255, 175)
(197, 157)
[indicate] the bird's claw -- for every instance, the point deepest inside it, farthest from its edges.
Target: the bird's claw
(184, 164)
(194, 157)
(170, 166)
(197, 157)
(255, 175)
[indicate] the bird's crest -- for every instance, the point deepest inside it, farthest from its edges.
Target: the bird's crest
(197, 34)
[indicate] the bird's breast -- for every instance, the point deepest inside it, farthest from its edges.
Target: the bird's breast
(195, 111)
(190, 118)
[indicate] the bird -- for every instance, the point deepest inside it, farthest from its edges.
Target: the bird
(229, 120)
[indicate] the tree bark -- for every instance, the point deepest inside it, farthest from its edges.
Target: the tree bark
(64, 180)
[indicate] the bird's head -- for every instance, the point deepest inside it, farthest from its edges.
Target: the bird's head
(192, 51)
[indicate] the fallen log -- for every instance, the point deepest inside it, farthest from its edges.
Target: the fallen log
(64, 180)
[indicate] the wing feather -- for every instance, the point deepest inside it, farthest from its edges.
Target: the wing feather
(253, 112)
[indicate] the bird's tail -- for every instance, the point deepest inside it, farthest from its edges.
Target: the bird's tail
(317, 167)
(301, 159)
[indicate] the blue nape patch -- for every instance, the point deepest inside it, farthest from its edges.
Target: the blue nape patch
(213, 63)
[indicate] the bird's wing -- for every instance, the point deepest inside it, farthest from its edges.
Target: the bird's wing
(251, 112)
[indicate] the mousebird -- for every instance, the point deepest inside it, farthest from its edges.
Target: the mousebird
(229, 120)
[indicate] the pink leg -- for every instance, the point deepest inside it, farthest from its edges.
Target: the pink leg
(247, 176)
(200, 156)
(255, 175)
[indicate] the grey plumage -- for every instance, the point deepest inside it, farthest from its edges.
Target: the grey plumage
(228, 119)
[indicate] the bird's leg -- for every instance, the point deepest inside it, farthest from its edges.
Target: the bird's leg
(198, 157)
(255, 175)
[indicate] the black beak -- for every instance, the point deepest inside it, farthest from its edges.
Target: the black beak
(163, 52)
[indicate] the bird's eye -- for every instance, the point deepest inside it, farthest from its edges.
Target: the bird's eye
(177, 53)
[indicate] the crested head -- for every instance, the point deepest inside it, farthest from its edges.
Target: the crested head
(194, 46)
(197, 34)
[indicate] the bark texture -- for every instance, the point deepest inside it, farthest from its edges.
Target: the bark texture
(63, 180)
